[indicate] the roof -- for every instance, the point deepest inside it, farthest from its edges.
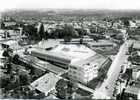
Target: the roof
(2, 31)
(136, 53)
(45, 83)
(132, 90)
(67, 52)
(48, 43)
(11, 43)
(38, 52)
(136, 45)
(102, 43)
(72, 51)
(1, 53)
(96, 59)
(51, 96)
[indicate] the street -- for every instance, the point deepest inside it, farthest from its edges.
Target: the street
(107, 87)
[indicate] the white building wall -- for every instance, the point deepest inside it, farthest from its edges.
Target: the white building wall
(83, 74)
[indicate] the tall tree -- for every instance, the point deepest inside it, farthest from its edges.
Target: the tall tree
(41, 31)
(30, 31)
(68, 32)
(46, 35)
(2, 25)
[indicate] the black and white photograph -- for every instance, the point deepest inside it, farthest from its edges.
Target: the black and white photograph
(70, 49)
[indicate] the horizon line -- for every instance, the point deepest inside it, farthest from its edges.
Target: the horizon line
(45, 9)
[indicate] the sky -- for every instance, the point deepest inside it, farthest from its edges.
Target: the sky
(69, 4)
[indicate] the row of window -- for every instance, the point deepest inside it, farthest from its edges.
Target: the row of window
(62, 60)
(49, 57)
(85, 75)
(85, 67)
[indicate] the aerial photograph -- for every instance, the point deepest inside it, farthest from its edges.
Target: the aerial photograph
(70, 49)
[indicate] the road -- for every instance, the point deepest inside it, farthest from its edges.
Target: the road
(107, 88)
(85, 88)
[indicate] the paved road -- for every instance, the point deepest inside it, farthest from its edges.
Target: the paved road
(107, 87)
(85, 88)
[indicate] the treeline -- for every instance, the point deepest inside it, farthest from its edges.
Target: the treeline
(67, 32)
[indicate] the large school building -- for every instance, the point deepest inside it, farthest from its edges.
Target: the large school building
(82, 62)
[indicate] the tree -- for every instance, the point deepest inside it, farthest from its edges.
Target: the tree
(8, 68)
(81, 32)
(64, 89)
(6, 53)
(2, 25)
(31, 32)
(59, 33)
(4, 81)
(46, 35)
(61, 88)
(16, 59)
(68, 32)
(24, 79)
(126, 23)
(41, 31)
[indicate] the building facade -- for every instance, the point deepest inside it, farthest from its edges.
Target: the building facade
(86, 70)
(84, 73)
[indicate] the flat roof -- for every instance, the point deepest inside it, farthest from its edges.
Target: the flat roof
(49, 53)
(136, 45)
(132, 90)
(73, 51)
(102, 43)
(10, 42)
(96, 59)
(45, 83)
(48, 43)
